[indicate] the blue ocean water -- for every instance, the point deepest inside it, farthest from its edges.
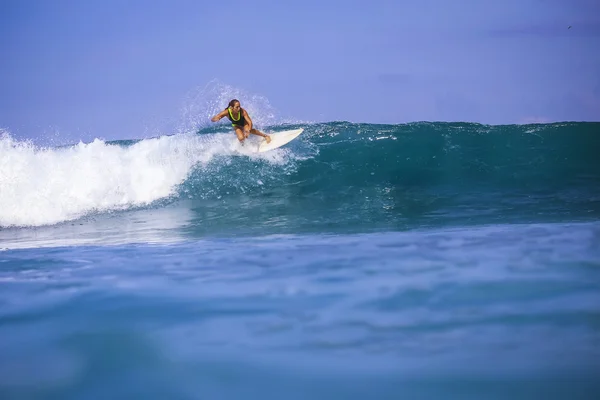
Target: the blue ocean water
(422, 260)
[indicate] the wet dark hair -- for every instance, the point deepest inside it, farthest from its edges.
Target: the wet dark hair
(232, 102)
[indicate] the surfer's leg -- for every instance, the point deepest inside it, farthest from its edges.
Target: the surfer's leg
(239, 133)
(259, 133)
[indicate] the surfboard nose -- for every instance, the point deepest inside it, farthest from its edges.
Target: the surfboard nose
(279, 139)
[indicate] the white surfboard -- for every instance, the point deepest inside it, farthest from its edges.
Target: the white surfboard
(278, 139)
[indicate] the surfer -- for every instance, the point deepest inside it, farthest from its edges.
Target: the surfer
(240, 120)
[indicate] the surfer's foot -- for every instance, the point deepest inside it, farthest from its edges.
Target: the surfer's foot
(268, 138)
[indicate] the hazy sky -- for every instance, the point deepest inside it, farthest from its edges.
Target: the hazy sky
(120, 69)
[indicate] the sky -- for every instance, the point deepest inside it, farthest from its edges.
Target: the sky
(125, 69)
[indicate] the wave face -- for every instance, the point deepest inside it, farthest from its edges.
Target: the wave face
(335, 176)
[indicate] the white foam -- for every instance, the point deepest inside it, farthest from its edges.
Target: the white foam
(42, 186)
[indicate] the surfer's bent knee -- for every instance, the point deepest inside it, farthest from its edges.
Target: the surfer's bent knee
(239, 133)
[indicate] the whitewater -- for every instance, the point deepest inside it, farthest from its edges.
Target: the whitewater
(41, 186)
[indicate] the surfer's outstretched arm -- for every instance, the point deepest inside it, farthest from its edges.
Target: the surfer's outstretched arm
(219, 116)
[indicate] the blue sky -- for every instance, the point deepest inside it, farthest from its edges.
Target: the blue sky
(124, 69)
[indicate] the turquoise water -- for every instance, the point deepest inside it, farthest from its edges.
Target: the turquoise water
(425, 260)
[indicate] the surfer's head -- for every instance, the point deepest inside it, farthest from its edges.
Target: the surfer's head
(234, 105)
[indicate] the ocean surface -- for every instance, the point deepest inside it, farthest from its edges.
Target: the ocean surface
(411, 261)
